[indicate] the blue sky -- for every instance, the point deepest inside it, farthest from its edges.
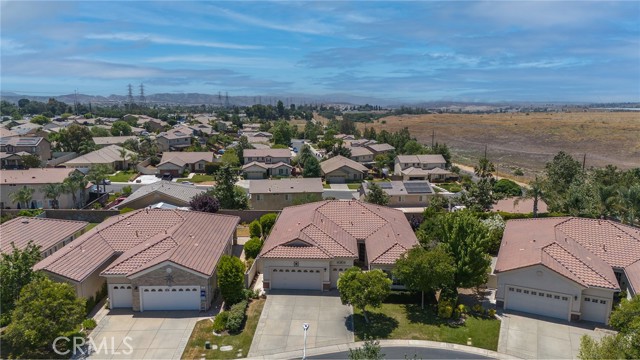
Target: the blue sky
(406, 51)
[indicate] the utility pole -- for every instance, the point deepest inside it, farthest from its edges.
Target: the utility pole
(433, 138)
(75, 101)
(485, 151)
(219, 98)
(130, 96)
(584, 161)
(142, 98)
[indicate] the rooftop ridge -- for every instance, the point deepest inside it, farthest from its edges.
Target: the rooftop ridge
(578, 259)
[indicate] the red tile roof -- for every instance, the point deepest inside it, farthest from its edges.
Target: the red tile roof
(583, 250)
(332, 229)
(43, 232)
(144, 238)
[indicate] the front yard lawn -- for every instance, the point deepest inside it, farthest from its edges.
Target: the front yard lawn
(197, 178)
(326, 186)
(204, 331)
(123, 176)
(354, 186)
(451, 187)
(408, 321)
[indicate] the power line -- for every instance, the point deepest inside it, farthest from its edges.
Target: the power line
(143, 100)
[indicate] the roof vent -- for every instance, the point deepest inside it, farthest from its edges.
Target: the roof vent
(604, 247)
(25, 221)
(33, 177)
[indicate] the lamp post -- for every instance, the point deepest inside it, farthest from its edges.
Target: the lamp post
(305, 327)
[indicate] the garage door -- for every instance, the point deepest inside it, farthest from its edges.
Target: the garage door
(335, 179)
(335, 274)
(170, 298)
(594, 309)
(533, 301)
(121, 296)
(296, 278)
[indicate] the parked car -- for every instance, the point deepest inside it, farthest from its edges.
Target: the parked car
(187, 182)
(106, 182)
(167, 176)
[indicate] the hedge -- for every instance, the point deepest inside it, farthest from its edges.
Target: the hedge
(236, 317)
(252, 248)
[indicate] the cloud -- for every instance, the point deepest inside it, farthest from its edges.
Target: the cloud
(12, 47)
(163, 40)
(253, 62)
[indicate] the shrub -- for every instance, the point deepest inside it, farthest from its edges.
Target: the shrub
(248, 263)
(491, 312)
(477, 308)
(231, 279)
(445, 310)
(90, 304)
(252, 247)
(89, 324)
(127, 190)
(251, 294)
(125, 210)
(154, 160)
(266, 223)
(210, 168)
(235, 321)
(462, 308)
(518, 172)
(220, 322)
(370, 177)
(255, 230)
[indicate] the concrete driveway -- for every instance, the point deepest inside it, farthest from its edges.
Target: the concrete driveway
(530, 336)
(280, 326)
(123, 334)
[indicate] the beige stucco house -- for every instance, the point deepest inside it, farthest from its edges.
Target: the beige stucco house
(403, 194)
(278, 194)
(36, 179)
(339, 169)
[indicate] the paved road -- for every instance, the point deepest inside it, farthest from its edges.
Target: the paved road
(409, 353)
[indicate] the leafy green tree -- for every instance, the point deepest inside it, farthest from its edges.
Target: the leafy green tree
(230, 157)
(75, 138)
(97, 131)
(629, 207)
(561, 173)
(535, 191)
(231, 279)
(376, 195)
(282, 133)
(304, 154)
(370, 350)
(205, 203)
(255, 229)
(341, 150)
(361, 289)
(31, 161)
(311, 167)
(229, 195)
(252, 248)
(121, 128)
(243, 144)
(53, 191)
(609, 347)
(443, 150)
(484, 169)
(16, 271)
(44, 310)
(73, 184)
(507, 188)
(425, 270)
(40, 120)
(412, 147)
(23, 196)
(266, 223)
(98, 173)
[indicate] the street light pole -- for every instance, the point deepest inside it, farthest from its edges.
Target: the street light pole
(305, 327)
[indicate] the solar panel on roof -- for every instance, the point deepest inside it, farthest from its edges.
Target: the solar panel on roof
(385, 185)
(413, 187)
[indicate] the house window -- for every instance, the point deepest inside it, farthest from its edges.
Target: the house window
(259, 197)
(603, 302)
(526, 291)
(362, 251)
(587, 299)
(534, 293)
(541, 294)
(564, 298)
(519, 290)
(594, 300)
(280, 171)
(400, 199)
(549, 295)
(287, 197)
(511, 289)
(556, 296)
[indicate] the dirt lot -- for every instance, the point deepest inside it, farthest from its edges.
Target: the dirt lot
(529, 141)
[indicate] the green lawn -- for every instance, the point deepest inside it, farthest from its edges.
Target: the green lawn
(354, 186)
(203, 332)
(451, 187)
(91, 226)
(408, 321)
(122, 176)
(197, 178)
(326, 186)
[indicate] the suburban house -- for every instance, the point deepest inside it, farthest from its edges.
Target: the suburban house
(361, 154)
(149, 123)
(257, 134)
(151, 259)
(403, 193)
(112, 140)
(49, 234)
(278, 194)
(383, 148)
(34, 145)
(567, 268)
(311, 244)
(12, 160)
(27, 128)
(267, 156)
(339, 169)
(176, 162)
(108, 155)
(258, 170)
(202, 129)
(174, 139)
(36, 179)
(166, 192)
(344, 137)
(430, 167)
(519, 206)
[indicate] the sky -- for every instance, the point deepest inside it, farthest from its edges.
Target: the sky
(476, 51)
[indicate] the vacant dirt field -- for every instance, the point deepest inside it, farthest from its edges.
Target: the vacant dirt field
(529, 141)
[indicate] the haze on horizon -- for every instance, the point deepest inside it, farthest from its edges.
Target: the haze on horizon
(406, 51)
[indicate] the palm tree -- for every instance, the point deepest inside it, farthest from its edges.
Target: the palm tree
(536, 192)
(53, 192)
(98, 174)
(72, 184)
(629, 203)
(123, 155)
(607, 197)
(23, 196)
(484, 169)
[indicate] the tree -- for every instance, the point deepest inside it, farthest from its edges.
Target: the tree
(97, 131)
(339, 149)
(74, 183)
(311, 167)
(252, 248)
(205, 203)
(230, 157)
(536, 192)
(282, 133)
(98, 173)
(23, 196)
(53, 191)
(76, 138)
(31, 161)
(123, 154)
(425, 270)
(16, 271)
(370, 350)
(229, 195)
(507, 188)
(484, 169)
(361, 289)
(561, 172)
(121, 128)
(266, 223)
(376, 195)
(630, 203)
(412, 147)
(231, 279)
(40, 120)
(304, 154)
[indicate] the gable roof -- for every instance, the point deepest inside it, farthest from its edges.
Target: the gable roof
(360, 151)
(182, 193)
(266, 166)
(35, 176)
(380, 147)
(339, 161)
(181, 158)
(177, 133)
(583, 250)
(422, 159)
(280, 153)
(112, 140)
(142, 239)
(42, 231)
(22, 140)
(395, 188)
(106, 155)
(286, 186)
(330, 229)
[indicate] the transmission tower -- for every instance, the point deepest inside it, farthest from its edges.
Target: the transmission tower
(143, 100)
(130, 96)
(226, 100)
(219, 98)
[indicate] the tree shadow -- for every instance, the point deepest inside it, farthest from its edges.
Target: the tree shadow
(380, 326)
(427, 316)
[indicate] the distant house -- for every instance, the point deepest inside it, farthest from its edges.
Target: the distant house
(175, 163)
(166, 192)
(344, 137)
(26, 128)
(278, 194)
(109, 155)
(36, 179)
(12, 161)
(34, 145)
(403, 193)
(174, 139)
(383, 148)
(152, 124)
(258, 170)
(258, 134)
(430, 167)
(361, 154)
(112, 140)
(223, 125)
(49, 234)
(202, 129)
(339, 169)
(267, 156)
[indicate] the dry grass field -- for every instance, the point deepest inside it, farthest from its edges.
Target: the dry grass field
(529, 141)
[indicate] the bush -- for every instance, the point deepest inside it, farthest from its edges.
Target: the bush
(125, 210)
(255, 230)
(89, 324)
(235, 321)
(462, 309)
(252, 248)
(506, 187)
(251, 294)
(445, 310)
(154, 160)
(491, 312)
(220, 322)
(370, 177)
(231, 279)
(127, 190)
(518, 172)
(266, 222)
(248, 263)
(30, 213)
(210, 168)
(477, 308)
(90, 304)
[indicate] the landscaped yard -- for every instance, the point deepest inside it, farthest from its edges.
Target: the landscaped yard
(204, 331)
(197, 178)
(451, 187)
(354, 186)
(123, 176)
(408, 321)
(326, 186)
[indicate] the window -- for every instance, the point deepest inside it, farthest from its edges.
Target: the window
(534, 293)
(541, 294)
(526, 291)
(556, 296)
(564, 298)
(594, 300)
(549, 295)
(519, 290)
(259, 197)
(280, 171)
(511, 289)
(603, 302)
(587, 299)
(400, 198)
(287, 197)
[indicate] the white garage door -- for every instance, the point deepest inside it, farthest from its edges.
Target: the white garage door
(594, 309)
(170, 298)
(335, 179)
(121, 296)
(335, 274)
(533, 301)
(296, 278)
